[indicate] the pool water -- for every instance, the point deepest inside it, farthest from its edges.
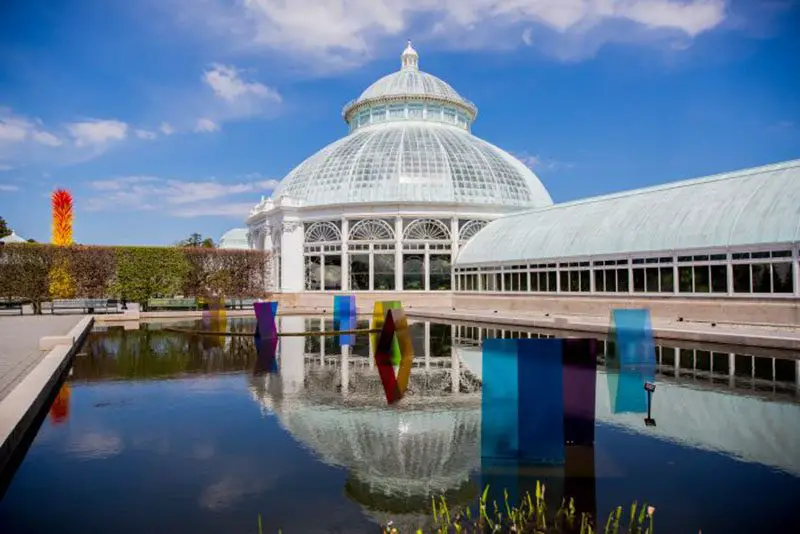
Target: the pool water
(160, 431)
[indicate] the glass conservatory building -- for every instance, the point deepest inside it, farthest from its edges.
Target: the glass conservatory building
(730, 235)
(389, 206)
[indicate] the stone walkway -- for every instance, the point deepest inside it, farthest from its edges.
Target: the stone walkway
(19, 344)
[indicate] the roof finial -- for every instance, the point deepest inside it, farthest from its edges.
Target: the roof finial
(410, 58)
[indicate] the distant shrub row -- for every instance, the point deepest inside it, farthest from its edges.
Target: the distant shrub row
(29, 271)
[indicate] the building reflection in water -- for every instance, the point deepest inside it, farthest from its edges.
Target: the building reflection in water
(329, 397)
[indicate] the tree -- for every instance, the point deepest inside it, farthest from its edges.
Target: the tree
(4, 229)
(197, 240)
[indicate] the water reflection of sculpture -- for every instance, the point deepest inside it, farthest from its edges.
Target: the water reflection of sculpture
(59, 410)
(399, 456)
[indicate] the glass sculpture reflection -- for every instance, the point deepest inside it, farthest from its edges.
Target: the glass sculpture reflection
(266, 355)
(632, 362)
(214, 313)
(538, 407)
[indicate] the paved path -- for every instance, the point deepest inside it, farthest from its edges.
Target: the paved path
(19, 344)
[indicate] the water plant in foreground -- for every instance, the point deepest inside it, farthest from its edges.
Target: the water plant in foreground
(530, 516)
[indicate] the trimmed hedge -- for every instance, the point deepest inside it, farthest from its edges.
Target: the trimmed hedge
(133, 273)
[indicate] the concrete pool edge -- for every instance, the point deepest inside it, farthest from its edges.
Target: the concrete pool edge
(19, 409)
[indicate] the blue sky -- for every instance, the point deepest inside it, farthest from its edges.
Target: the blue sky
(166, 117)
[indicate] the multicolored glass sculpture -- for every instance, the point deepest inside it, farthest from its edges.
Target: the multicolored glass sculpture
(266, 337)
(266, 323)
(379, 313)
(394, 333)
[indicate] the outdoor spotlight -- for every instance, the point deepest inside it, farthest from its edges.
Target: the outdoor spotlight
(649, 387)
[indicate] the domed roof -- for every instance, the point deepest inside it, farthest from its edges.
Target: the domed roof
(12, 238)
(235, 238)
(410, 83)
(413, 161)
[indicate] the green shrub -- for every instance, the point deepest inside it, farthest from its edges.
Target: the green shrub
(148, 272)
(25, 272)
(133, 273)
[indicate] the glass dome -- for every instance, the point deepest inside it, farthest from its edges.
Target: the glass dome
(410, 141)
(413, 162)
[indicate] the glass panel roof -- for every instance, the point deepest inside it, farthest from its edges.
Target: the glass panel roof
(413, 161)
(750, 207)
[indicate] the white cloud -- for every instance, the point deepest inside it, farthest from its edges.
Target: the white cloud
(116, 184)
(13, 130)
(5, 167)
(205, 125)
(538, 163)
(344, 33)
(97, 132)
(95, 445)
(146, 134)
(227, 84)
(527, 36)
(17, 129)
(46, 138)
(166, 128)
(178, 198)
(9, 188)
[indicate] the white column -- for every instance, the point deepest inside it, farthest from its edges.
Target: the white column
(427, 345)
(371, 264)
(732, 369)
(345, 370)
(677, 362)
(398, 254)
(322, 343)
(292, 354)
(455, 371)
(729, 270)
(345, 255)
(426, 268)
(796, 270)
(263, 242)
(292, 268)
(453, 251)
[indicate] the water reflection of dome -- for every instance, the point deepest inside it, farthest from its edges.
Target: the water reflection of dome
(398, 456)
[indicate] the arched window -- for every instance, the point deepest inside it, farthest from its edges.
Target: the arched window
(470, 229)
(427, 230)
(323, 232)
(371, 230)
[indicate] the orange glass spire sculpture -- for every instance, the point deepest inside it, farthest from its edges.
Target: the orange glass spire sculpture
(61, 202)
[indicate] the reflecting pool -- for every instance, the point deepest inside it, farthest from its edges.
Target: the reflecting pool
(161, 431)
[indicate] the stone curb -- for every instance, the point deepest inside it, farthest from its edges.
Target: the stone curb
(21, 406)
